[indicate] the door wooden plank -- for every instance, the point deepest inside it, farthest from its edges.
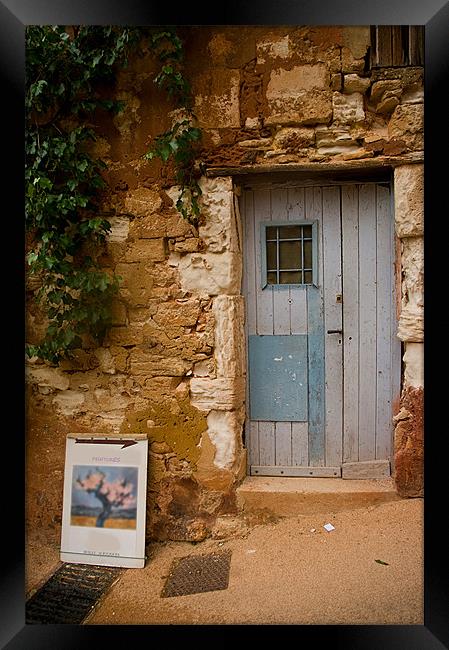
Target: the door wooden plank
(366, 469)
(332, 288)
(316, 376)
(367, 319)
(384, 335)
(281, 295)
(298, 295)
(284, 443)
(315, 329)
(311, 471)
(264, 297)
(300, 443)
(254, 443)
(250, 262)
(267, 452)
(350, 260)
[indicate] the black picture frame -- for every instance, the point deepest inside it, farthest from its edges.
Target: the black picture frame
(434, 14)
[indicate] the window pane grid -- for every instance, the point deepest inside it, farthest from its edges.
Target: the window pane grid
(289, 249)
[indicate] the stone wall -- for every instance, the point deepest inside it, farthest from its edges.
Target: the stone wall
(409, 431)
(173, 364)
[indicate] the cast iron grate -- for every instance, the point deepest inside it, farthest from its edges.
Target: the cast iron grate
(70, 594)
(195, 574)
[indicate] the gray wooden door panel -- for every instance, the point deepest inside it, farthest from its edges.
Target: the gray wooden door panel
(353, 378)
(367, 321)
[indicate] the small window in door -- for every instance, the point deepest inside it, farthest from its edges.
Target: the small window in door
(288, 253)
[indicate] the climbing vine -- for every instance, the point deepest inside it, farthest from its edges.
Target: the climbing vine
(64, 70)
(69, 79)
(181, 142)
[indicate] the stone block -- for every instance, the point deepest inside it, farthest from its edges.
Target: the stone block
(411, 321)
(289, 138)
(211, 273)
(380, 88)
(299, 96)
(414, 365)
(219, 231)
(348, 109)
(335, 140)
(409, 200)
(69, 402)
(177, 314)
(224, 429)
(52, 378)
(119, 229)
(357, 39)
(118, 310)
(137, 283)
(229, 346)
(142, 202)
(145, 362)
(221, 394)
(106, 360)
(124, 336)
(146, 250)
(407, 123)
(355, 84)
(151, 226)
(274, 48)
(409, 444)
(217, 98)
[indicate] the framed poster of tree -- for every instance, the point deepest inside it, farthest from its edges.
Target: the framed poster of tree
(104, 501)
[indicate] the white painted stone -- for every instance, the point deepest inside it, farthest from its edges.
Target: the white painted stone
(223, 429)
(409, 200)
(219, 231)
(211, 273)
(411, 321)
(414, 365)
(229, 318)
(119, 229)
(69, 402)
(221, 394)
(348, 109)
(204, 369)
(52, 378)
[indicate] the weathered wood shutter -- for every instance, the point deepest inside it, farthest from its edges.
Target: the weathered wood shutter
(397, 45)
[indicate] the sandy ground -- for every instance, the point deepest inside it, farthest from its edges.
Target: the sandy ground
(282, 573)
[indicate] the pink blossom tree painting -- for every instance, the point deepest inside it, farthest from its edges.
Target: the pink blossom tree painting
(112, 487)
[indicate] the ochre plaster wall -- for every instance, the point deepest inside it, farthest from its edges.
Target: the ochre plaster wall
(173, 364)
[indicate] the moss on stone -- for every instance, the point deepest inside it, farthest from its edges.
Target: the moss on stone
(181, 430)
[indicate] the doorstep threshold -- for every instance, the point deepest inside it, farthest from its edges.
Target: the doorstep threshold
(297, 495)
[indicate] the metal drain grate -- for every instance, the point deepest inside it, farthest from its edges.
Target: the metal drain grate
(195, 574)
(70, 594)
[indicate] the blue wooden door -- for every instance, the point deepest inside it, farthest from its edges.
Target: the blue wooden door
(310, 379)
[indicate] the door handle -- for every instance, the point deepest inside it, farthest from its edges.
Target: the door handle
(335, 331)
